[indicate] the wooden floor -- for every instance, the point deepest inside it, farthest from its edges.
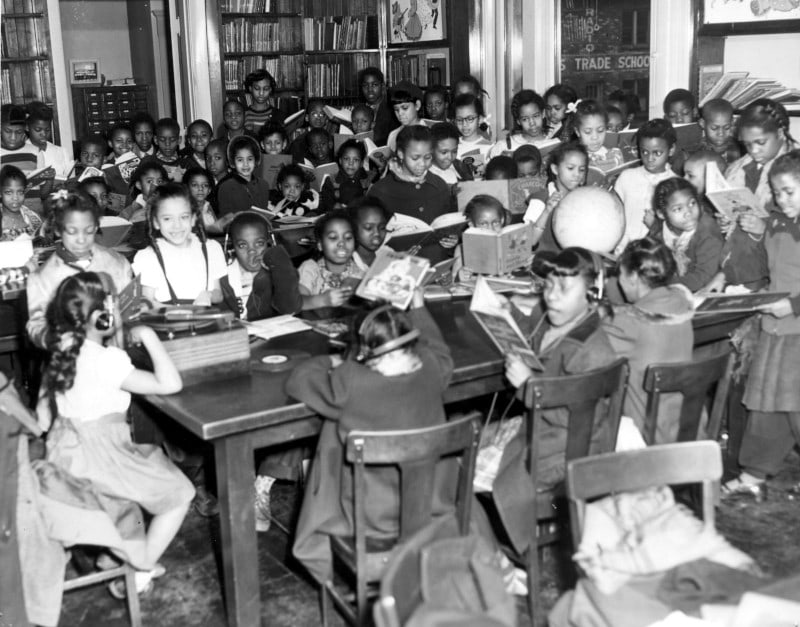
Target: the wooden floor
(189, 594)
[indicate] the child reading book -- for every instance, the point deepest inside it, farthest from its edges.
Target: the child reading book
(559, 107)
(590, 123)
(406, 101)
(716, 120)
(97, 188)
(120, 140)
(293, 196)
(40, 128)
(147, 177)
(369, 217)
(168, 135)
(16, 219)
(445, 138)
(527, 110)
(352, 180)
(482, 212)
(616, 121)
(315, 117)
(473, 145)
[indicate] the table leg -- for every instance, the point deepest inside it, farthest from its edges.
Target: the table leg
(235, 476)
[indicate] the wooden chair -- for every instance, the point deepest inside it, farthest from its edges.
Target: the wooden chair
(416, 452)
(694, 380)
(664, 464)
(93, 578)
(581, 395)
(400, 592)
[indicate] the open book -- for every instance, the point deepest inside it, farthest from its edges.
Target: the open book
(689, 136)
(340, 138)
(393, 277)
(729, 201)
(513, 194)
(379, 155)
(487, 252)
(493, 313)
(606, 177)
(405, 232)
(341, 115)
(736, 303)
(294, 123)
(113, 231)
(319, 173)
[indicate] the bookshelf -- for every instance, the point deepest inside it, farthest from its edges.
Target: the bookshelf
(27, 65)
(315, 48)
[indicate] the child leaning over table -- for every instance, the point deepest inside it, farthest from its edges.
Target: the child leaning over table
(394, 378)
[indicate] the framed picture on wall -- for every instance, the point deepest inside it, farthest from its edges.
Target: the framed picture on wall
(729, 17)
(84, 71)
(412, 21)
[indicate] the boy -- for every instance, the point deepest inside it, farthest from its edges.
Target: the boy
(529, 162)
(680, 107)
(716, 120)
(93, 153)
(694, 170)
(373, 92)
(501, 168)
(445, 147)
(144, 127)
(217, 160)
(15, 149)
(407, 103)
(361, 118)
(120, 140)
(315, 118)
(272, 138)
(168, 134)
(656, 143)
(39, 125)
(233, 121)
(319, 147)
(436, 103)
(122, 156)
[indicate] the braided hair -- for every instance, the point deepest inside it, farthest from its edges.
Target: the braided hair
(767, 115)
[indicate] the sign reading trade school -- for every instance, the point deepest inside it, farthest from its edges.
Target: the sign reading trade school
(605, 62)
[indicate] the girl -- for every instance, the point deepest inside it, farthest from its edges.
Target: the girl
(567, 171)
(370, 217)
(216, 160)
(591, 122)
(569, 339)
(76, 218)
(690, 234)
(201, 187)
(435, 103)
(560, 109)
(352, 180)
(764, 132)
(527, 109)
(655, 327)
(445, 165)
(243, 188)
(198, 136)
(233, 121)
(293, 196)
(260, 85)
(89, 388)
(473, 146)
(771, 393)
(147, 177)
(329, 281)
(179, 266)
(482, 212)
(40, 126)
(16, 219)
(468, 84)
(394, 380)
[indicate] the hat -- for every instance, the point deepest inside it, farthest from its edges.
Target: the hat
(408, 87)
(13, 114)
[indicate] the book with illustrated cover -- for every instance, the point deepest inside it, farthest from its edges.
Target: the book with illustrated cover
(493, 313)
(319, 173)
(270, 166)
(404, 233)
(393, 277)
(487, 252)
(440, 274)
(736, 303)
(513, 194)
(379, 155)
(729, 201)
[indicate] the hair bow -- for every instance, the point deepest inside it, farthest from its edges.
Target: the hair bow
(573, 106)
(61, 194)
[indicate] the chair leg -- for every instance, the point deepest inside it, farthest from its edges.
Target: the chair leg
(361, 600)
(133, 598)
(324, 604)
(532, 564)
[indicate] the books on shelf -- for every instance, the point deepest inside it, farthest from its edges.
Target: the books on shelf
(261, 6)
(335, 75)
(286, 69)
(729, 201)
(741, 89)
(242, 34)
(393, 277)
(488, 252)
(342, 32)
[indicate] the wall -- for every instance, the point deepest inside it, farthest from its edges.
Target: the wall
(97, 29)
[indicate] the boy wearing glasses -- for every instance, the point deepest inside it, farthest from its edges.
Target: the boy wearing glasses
(315, 118)
(373, 93)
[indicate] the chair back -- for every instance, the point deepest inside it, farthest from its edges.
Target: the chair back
(627, 471)
(589, 397)
(694, 380)
(416, 452)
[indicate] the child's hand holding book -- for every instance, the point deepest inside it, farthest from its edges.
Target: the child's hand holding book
(517, 371)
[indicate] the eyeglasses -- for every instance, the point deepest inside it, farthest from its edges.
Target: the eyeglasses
(316, 114)
(467, 120)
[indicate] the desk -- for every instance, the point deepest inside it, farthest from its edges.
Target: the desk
(242, 414)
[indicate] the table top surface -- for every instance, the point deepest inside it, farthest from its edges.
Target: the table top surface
(234, 405)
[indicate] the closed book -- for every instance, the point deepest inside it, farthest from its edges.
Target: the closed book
(270, 166)
(393, 277)
(488, 252)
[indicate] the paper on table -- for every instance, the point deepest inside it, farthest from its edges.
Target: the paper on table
(275, 327)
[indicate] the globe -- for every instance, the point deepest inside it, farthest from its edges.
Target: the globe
(589, 217)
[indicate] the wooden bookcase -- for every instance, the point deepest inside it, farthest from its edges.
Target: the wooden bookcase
(27, 63)
(315, 48)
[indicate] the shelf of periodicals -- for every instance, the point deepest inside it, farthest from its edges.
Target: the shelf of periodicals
(26, 67)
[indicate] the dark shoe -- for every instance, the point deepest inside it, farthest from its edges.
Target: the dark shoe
(205, 503)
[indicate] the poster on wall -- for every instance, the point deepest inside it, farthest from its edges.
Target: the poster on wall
(749, 14)
(412, 21)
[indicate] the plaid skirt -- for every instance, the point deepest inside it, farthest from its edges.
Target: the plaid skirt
(772, 383)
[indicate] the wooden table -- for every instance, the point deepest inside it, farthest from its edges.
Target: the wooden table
(245, 413)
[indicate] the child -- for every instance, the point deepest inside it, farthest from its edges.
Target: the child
(147, 177)
(569, 339)
(369, 216)
(198, 136)
(90, 386)
(200, 186)
(630, 107)
(590, 127)
(179, 266)
(242, 189)
(362, 118)
(97, 188)
(233, 121)
(92, 153)
(680, 107)
(272, 138)
(167, 137)
(529, 161)
(293, 196)
(694, 171)
(560, 102)
(120, 140)
(567, 171)
(764, 132)
(16, 218)
(616, 121)
(352, 180)
(373, 92)
(482, 212)
(323, 281)
(260, 85)
(406, 100)
(527, 110)
(468, 84)
(144, 129)
(772, 394)
(468, 118)
(654, 327)
(501, 168)
(692, 235)
(445, 138)
(216, 160)
(15, 148)
(394, 378)
(634, 186)
(40, 125)
(319, 147)
(315, 117)
(122, 155)
(261, 281)
(76, 218)
(716, 120)
(436, 103)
